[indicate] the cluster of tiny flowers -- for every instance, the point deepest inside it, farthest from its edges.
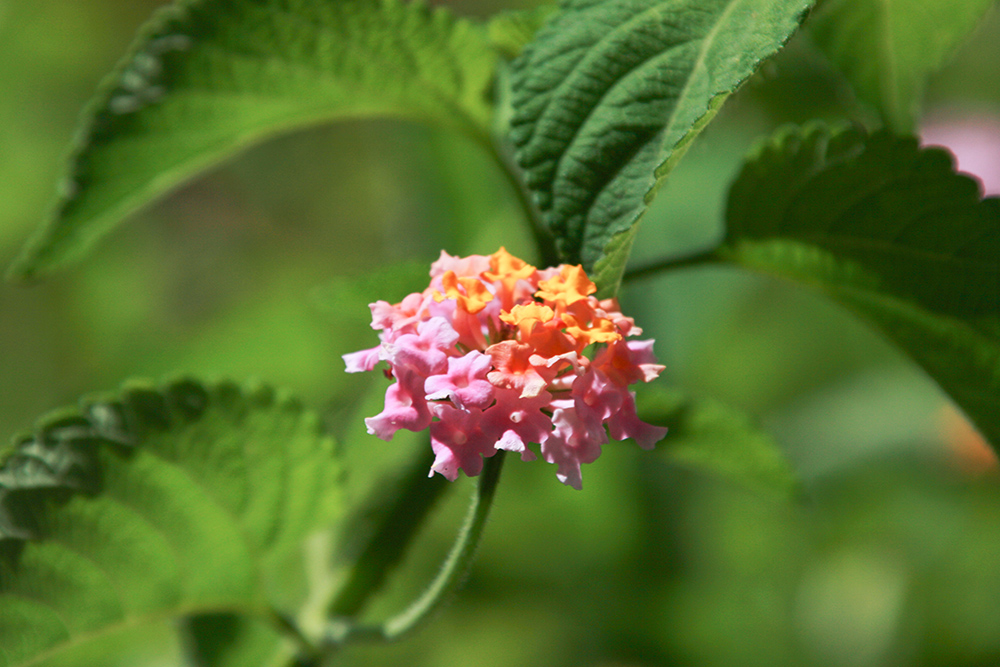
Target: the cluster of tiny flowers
(491, 356)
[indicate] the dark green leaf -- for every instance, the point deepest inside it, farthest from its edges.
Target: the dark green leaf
(158, 503)
(231, 640)
(611, 93)
(887, 48)
(893, 233)
(708, 435)
(207, 78)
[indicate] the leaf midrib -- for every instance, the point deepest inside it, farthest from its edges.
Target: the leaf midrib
(890, 248)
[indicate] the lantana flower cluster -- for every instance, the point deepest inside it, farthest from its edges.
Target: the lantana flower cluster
(496, 354)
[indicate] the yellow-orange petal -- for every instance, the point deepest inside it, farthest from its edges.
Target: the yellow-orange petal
(527, 311)
(601, 330)
(505, 265)
(474, 299)
(568, 287)
(526, 317)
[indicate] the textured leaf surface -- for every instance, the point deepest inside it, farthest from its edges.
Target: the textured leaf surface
(157, 504)
(710, 436)
(611, 92)
(893, 233)
(207, 78)
(886, 48)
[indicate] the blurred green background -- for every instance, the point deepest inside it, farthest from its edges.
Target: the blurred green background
(889, 559)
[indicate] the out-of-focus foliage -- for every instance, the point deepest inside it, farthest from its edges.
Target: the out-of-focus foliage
(207, 79)
(889, 560)
(890, 232)
(887, 49)
(158, 502)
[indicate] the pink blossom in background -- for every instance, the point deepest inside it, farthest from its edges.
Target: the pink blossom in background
(974, 140)
(497, 355)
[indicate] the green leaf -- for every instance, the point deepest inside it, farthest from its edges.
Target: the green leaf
(378, 535)
(608, 270)
(207, 78)
(509, 31)
(231, 640)
(893, 233)
(707, 435)
(886, 48)
(158, 503)
(610, 94)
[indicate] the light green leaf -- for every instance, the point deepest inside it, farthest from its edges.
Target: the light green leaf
(611, 92)
(158, 503)
(510, 30)
(893, 233)
(886, 48)
(608, 270)
(708, 435)
(207, 78)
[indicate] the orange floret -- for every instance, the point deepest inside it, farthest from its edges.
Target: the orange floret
(525, 316)
(601, 330)
(565, 289)
(507, 269)
(513, 370)
(476, 295)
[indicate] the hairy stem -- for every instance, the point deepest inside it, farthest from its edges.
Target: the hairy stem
(391, 527)
(456, 566)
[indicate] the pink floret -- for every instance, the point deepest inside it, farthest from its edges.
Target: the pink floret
(496, 355)
(464, 383)
(365, 360)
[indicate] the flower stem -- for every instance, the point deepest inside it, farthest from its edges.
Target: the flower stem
(456, 566)
(392, 526)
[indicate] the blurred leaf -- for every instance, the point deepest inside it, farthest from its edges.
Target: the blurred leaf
(158, 503)
(611, 92)
(379, 533)
(708, 435)
(887, 48)
(230, 640)
(345, 299)
(510, 31)
(207, 78)
(890, 231)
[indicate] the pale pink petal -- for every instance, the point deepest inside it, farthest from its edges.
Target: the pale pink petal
(364, 360)
(405, 407)
(520, 421)
(596, 398)
(465, 382)
(572, 444)
(641, 352)
(459, 442)
(470, 266)
(626, 424)
(426, 351)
